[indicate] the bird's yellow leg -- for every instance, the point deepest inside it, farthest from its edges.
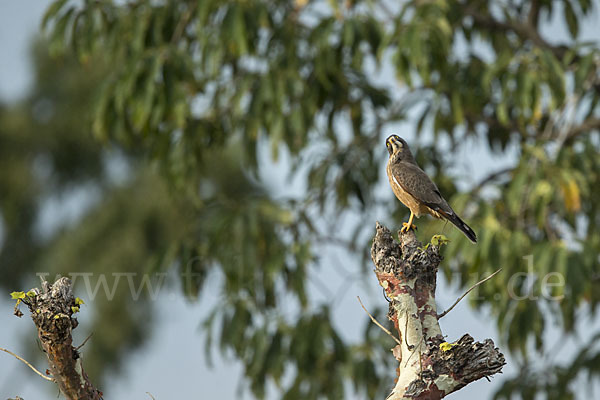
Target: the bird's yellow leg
(406, 226)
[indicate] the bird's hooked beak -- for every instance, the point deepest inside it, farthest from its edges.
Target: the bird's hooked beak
(393, 144)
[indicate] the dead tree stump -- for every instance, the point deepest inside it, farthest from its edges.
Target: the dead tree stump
(430, 368)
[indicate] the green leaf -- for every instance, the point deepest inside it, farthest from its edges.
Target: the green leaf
(583, 70)
(58, 36)
(556, 79)
(439, 240)
(502, 113)
(571, 19)
(457, 109)
(446, 346)
(52, 10)
(17, 295)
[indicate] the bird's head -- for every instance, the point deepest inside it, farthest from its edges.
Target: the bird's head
(398, 148)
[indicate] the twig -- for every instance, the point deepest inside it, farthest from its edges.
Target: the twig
(150, 394)
(85, 341)
(589, 124)
(416, 348)
(377, 323)
(491, 177)
(521, 29)
(28, 364)
(408, 346)
(466, 293)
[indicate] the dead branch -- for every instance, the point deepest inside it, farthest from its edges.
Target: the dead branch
(52, 310)
(432, 368)
(28, 364)
(467, 292)
(377, 322)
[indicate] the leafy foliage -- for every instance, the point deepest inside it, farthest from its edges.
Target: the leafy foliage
(200, 86)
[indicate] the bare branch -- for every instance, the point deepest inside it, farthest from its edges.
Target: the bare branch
(490, 178)
(28, 364)
(525, 31)
(467, 292)
(52, 308)
(534, 13)
(377, 323)
(588, 125)
(84, 342)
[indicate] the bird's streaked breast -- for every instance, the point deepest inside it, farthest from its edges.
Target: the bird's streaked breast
(405, 198)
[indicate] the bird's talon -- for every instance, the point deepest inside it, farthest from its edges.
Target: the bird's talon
(406, 227)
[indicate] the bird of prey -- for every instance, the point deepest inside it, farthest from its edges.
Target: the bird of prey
(415, 190)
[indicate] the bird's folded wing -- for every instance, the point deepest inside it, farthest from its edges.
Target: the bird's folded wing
(415, 182)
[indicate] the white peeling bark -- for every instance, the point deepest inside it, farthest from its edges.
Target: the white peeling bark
(427, 370)
(413, 337)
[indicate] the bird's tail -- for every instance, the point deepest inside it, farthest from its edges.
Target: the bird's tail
(461, 225)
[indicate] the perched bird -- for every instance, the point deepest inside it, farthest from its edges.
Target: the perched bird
(415, 190)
